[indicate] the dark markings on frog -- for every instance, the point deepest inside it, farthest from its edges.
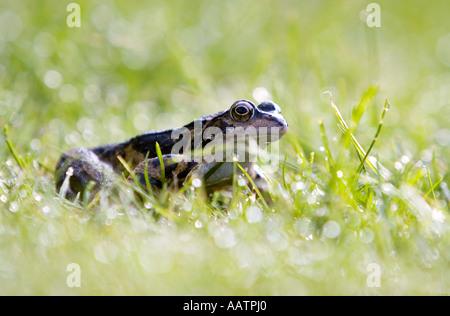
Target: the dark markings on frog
(100, 165)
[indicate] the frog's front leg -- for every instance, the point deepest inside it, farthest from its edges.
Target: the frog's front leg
(176, 170)
(218, 176)
(262, 183)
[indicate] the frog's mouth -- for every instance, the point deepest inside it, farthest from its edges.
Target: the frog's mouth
(243, 144)
(262, 135)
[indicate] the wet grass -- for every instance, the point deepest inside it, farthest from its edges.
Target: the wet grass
(361, 186)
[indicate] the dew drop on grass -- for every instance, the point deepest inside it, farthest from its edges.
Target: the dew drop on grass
(442, 137)
(373, 160)
(387, 188)
(53, 79)
(331, 229)
(298, 186)
(198, 224)
(394, 207)
(304, 227)
(14, 207)
(366, 235)
(420, 164)
(225, 238)
(318, 191)
(438, 215)
(278, 240)
(111, 213)
(46, 209)
(253, 214)
(92, 93)
(44, 44)
(196, 183)
(3, 198)
(261, 94)
(322, 211)
(233, 214)
(148, 205)
(187, 207)
(69, 172)
(35, 144)
(311, 199)
(11, 26)
(404, 159)
(99, 253)
(242, 182)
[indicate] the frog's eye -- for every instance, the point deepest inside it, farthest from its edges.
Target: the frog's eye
(269, 106)
(242, 111)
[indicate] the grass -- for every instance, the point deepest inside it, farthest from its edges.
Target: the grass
(362, 180)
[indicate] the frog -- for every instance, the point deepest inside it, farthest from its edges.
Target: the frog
(164, 158)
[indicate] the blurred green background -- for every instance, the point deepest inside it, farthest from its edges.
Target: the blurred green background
(135, 66)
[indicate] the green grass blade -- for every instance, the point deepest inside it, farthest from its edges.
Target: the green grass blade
(147, 180)
(384, 172)
(380, 124)
(128, 169)
(325, 144)
(284, 173)
(161, 164)
(360, 109)
(11, 148)
(432, 186)
(263, 201)
(158, 207)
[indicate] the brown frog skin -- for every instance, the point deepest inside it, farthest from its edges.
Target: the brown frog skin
(100, 165)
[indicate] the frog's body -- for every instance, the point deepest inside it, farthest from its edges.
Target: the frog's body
(99, 165)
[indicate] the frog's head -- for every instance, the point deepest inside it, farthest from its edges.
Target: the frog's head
(240, 125)
(244, 113)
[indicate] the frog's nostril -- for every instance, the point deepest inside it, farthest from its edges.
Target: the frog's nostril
(269, 106)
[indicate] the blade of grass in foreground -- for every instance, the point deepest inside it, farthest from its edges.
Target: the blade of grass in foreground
(161, 164)
(359, 110)
(380, 124)
(147, 180)
(383, 171)
(330, 162)
(284, 173)
(11, 148)
(253, 184)
(431, 185)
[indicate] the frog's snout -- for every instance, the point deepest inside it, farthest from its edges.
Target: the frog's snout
(283, 129)
(274, 110)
